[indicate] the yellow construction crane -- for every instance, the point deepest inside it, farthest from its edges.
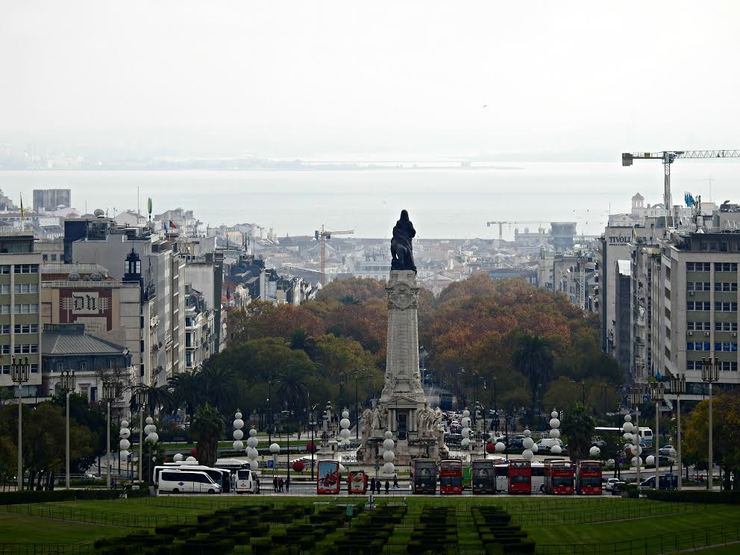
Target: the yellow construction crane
(502, 223)
(322, 235)
(668, 157)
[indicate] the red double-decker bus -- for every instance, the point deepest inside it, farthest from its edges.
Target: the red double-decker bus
(451, 477)
(357, 482)
(559, 477)
(328, 479)
(520, 477)
(588, 478)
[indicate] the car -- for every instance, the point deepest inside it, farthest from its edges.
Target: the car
(546, 443)
(611, 482)
(667, 481)
(600, 443)
(667, 451)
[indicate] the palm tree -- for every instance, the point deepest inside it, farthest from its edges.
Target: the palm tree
(578, 429)
(207, 428)
(187, 390)
(533, 358)
(157, 398)
(218, 385)
(292, 389)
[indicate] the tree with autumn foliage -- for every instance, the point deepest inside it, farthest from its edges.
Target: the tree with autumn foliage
(725, 435)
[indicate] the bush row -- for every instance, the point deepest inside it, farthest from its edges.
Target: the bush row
(22, 497)
(695, 496)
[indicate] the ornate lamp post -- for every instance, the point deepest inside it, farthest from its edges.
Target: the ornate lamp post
(388, 454)
(68, 386)
(20, 373)
(109, 394)
(312, 423)
(141, 401)
(555, 432)
(344, 433)
(710, 374)
(678, 388)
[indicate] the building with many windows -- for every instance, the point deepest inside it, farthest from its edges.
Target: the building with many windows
(20, 334)
(685, 307)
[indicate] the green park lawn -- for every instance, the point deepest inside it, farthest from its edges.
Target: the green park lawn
(552, 523)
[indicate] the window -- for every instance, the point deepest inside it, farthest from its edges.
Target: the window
(4, 309)
(26, 288)
(725, 347)
(698, 326)
(725, 266)
(4, 369)
(26, 348)
(725, 326)
(4, 269)
(83, 366)
(698, 286)
(26, 308)
(729, 366)
(697, 266)
(725, 306)
(26, 269)
(26, 328)
(725, 286)
(4, 289)
(34, 368)
(698, 305)
(4, 329)
(4, 349)
(698, 346)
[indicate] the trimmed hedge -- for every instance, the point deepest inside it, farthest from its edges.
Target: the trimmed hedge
(695, 496)
(22, 497)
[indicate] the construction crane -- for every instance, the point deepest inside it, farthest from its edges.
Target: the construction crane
(501, 224)
(322, 235)
(668, 157)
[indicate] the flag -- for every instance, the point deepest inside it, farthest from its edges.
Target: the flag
(172, 225)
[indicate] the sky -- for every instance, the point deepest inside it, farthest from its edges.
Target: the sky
(370, 79)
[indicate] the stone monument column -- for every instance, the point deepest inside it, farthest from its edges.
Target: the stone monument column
(402, 377)
(402, 408)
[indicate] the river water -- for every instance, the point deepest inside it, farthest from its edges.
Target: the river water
(443, 203)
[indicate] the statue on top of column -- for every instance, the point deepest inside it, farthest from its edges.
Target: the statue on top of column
(402, 251)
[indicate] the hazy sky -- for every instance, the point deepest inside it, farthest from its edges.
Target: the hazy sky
(327, 79)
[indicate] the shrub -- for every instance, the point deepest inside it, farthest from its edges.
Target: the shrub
(694, 496)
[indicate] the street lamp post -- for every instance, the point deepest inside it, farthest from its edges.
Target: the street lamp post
(109, 393)
(312, 423)
(20, 373)
(141, 401)
(657, 390)
(710, 374)
(678, 388)
(68, 385)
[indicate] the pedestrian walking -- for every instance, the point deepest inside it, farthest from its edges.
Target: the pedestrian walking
(287, 485)
(275, 484)
(372, 485)
(377, 486)
(387, 487)
(280, 484)
(395, 481)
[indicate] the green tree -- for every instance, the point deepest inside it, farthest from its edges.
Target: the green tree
(578, 431)
(534, 360)
(157, 398)
(207, 428)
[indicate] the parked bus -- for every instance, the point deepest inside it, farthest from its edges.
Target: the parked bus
(484, 477)
(588, 478)
(450, 477)
(246, 481)
(520, 477)
(559, 477)
(357, 482)
(219, 475)
(177, 480)
(328, 479)
(424, 476)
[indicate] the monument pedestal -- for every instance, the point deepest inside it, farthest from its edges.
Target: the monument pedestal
(403, 408)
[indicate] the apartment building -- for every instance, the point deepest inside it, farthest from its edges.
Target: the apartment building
(20, 331)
